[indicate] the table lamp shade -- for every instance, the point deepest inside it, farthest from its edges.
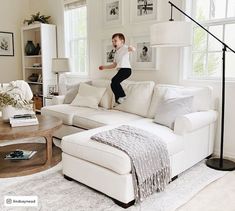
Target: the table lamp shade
(60, 65)
(171, 34)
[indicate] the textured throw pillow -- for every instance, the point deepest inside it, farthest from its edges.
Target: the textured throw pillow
(70, 95)
(168, 109)
(88, 96)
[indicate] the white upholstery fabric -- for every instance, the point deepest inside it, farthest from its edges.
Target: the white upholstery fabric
(57, 100)
(193, 121)
(85, 101)
(139, 96)
(168, 110)
(88, 96)
(107, 169)
(202, 97)
(80, 145)
(65, 112)
(106, 100)
(117, 186)
(103, 117)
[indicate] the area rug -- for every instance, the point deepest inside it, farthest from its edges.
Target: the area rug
(56, 193)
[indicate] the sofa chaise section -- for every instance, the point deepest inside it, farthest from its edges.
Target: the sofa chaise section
(111, 168)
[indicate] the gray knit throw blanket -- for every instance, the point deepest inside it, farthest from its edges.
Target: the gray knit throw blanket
(149, 157)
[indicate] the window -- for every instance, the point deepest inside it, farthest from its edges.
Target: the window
(217, 16)
(75, 16)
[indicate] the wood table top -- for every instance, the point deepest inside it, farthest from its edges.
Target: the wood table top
(46, 124)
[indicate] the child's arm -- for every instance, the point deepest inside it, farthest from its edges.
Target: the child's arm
(102, 67)
(131, 49)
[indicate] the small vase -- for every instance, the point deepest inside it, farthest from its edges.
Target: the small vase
(37, 49)
(29, 48)
(7, 112)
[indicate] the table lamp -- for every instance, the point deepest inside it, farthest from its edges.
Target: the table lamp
(60, 65)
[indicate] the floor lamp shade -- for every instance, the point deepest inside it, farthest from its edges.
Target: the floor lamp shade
(171, 34)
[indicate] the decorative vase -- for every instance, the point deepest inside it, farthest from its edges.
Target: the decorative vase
(37, 49)
(33, 77)
(29, 48)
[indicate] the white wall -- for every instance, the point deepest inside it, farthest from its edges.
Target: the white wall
(12, 14)
(168, 60)
(54, 8)
(165, 71)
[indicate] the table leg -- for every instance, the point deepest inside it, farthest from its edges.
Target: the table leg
(49, 150)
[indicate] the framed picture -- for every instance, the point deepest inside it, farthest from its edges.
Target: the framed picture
(51, 89)
(144, 58)
(6, 44)
(112, 12)
(143, 10)
(108, 51)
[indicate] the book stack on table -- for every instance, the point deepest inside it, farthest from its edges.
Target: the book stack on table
(23, 120)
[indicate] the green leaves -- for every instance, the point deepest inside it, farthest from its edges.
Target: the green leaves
(37, 17)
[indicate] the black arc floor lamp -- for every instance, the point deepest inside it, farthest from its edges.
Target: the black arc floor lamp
(181, 34)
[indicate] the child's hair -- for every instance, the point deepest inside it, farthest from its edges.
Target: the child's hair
(120, 36)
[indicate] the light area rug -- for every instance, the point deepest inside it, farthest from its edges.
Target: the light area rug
(218, 195)
(56, 193)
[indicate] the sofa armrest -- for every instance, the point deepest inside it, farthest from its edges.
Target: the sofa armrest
(56, 100)
(193, 121)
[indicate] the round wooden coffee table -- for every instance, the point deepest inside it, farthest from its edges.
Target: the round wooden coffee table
(42, 160)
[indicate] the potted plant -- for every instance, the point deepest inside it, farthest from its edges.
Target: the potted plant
(11, 101)
(37, 18)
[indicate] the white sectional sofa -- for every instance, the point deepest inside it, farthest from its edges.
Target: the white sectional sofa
(108, 169)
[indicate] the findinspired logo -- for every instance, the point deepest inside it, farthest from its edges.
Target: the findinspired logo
(21, 201)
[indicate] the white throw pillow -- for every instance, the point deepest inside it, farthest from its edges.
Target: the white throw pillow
(88, 96)
(169, 108)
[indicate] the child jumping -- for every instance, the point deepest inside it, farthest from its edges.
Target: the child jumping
(122, 63)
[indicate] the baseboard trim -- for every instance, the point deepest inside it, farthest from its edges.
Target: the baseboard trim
(228, 155)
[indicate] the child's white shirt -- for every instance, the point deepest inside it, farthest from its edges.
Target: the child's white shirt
(122, 58)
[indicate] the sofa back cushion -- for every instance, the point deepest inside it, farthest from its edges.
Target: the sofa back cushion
(106, 100)
(202, 97)
(139, 94)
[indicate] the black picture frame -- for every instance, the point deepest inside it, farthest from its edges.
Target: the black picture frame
(6, 43)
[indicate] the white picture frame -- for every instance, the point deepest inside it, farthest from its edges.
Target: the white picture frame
(108, 52)
(144, 58)
(143, 10)
(112, 13)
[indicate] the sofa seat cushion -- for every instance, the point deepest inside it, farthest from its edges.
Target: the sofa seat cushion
(65, 112)
(80, 145)
(103, 117)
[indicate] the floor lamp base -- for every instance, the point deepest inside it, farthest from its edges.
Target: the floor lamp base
(225, 165)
